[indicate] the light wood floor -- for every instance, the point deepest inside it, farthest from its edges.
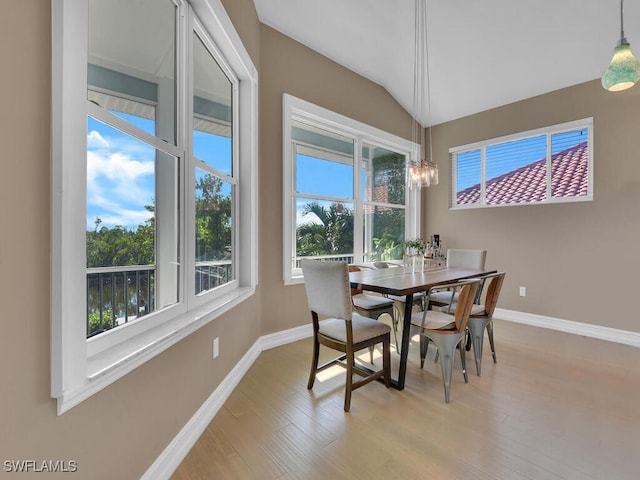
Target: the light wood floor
(555, 406)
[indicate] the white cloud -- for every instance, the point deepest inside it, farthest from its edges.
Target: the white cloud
(95, 140)
(118, 167)
(118, 186)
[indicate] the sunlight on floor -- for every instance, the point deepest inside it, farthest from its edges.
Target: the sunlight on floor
(362, 357)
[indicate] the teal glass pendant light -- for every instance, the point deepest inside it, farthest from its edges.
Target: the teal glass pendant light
(624, 70)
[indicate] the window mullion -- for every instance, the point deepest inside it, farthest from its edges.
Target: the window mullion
(358, 212)
(549, 165)
(483, 176)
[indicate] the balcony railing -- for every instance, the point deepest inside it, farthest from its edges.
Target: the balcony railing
(210, 274)
(348, 257)
(118, 295)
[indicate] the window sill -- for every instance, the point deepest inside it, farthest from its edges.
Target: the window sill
(108, 366)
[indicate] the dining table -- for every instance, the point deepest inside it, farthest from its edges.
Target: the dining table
(396, 281)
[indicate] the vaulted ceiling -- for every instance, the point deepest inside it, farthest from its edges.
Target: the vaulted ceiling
(482, 53)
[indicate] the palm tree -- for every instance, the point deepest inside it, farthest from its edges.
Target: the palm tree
(333, 235)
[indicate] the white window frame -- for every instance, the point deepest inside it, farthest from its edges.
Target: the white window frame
(548, 131)
(79, 367)
(306, 112)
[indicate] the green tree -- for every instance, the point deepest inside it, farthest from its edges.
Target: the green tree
(119, 246)
(389, 223)
(213, 218)
(332, 236)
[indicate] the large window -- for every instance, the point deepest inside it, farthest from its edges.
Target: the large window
(344, 189)
(154, 162)
(547, 165)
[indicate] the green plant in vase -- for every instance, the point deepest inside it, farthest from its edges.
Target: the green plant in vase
(414, 245)
(414, 255)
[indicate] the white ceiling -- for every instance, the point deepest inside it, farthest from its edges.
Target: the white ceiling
(482, 53)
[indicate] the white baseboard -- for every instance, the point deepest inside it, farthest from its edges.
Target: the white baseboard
(578, 328)
(172, 456)
(287, 336)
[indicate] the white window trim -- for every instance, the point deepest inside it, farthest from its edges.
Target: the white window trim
(553, 129)
(77, 370)
(297, 109)
(205, 296)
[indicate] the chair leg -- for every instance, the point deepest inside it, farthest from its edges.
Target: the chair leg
(396, 320)
(424, 347)
(314, 364)
(447, 345)
(371, 354)
(476, 328)
(491, 344)
(463, 360)
(349, 384)
(386, 361)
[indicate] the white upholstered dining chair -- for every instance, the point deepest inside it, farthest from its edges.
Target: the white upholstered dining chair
(371, 305)
(329, 296)
(457, 258)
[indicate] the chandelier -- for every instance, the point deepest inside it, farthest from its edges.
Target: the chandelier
(422, 172)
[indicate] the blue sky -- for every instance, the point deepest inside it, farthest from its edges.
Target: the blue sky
(121, 171)
(321, 177)
(120, 176)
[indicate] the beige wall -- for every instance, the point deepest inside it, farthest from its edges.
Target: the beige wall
(579, 261)
(289, 67)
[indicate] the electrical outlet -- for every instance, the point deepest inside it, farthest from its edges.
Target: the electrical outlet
(216, 347)
(523, 291)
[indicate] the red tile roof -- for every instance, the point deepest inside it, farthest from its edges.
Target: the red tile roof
(569, 178)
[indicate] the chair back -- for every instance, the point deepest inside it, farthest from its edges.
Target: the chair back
(466, 258)
(466, 295)
(355, 291)
(493, 291)
(328, 289)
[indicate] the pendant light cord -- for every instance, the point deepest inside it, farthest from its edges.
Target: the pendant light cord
(421, 63)
(622, 39)
(415, 135)
(426, 56)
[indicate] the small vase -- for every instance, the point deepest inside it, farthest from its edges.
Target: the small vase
(408, 262)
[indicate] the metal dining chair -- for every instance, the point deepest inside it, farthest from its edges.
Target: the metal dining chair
(329, 295)
(481, 317)
(447, 331)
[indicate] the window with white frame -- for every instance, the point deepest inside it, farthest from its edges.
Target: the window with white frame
(154, 159)
(547, 165)
(345, 194)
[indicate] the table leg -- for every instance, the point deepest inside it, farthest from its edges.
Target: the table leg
(406, 335)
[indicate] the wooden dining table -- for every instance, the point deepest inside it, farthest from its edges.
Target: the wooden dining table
(394, 281)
